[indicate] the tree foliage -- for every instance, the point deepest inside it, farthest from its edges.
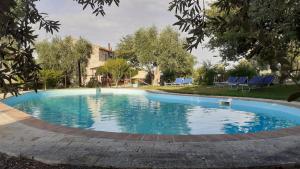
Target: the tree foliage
(244, 68)
(173, 57)
(117, 68)
(148, 48)
(50, 78)
(191, 19)
(82, 52)
(97, 5)
(263, 30)
(126, 50)
(145, 40)
(67, 55)
(259, 29)
(205, 74)
(17, 38)
(277, 19)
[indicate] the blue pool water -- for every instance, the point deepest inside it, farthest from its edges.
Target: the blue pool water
(135, 111)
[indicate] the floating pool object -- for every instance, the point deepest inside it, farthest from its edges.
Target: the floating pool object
(226, 102)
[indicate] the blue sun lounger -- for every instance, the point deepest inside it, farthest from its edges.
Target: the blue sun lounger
(230, 80)
(187, 81)
(268, 80)
(258, 82)
(240, 81)
(178, 81)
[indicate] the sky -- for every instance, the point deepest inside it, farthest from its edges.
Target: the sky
(118, 22)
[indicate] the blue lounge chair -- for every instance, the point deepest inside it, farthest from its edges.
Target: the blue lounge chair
(187, 81)
(267, 80)
(178, 81)
(240, 81)
(255, 81)
(230, 80)
(258, 81)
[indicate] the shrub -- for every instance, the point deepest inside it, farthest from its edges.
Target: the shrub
(244, 68)
(168, 76)
(205, 74)
(93, 83)
(50, 77)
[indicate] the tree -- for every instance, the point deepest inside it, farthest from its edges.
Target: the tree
(244, 68)
(82, 52)
(102, 70)
(256, 29)
(145, 47)
(191, 18)
(165, 50)
(67, 55)
(117, 68)
(16, 59)
(173, 59)
(126, 50)
(292, 67)
(64, 51)
(50, 77)
(56, 55)
(205, 74)
(260, 30)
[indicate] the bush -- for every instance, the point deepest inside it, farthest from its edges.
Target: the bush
(93, 83)
(205, 74)
(168, 76)
(244, 68)
(116, 68)
(50, 78)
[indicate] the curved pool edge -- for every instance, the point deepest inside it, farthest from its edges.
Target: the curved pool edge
(21, 134)
(40, 124)
(281, 102)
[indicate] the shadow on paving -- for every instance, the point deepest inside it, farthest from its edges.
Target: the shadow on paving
(8, 162)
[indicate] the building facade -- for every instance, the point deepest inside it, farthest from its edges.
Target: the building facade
(98, 58)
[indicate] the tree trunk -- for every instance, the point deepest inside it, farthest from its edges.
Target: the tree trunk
(156, 77)
(65, 81)
(79, 73)
(45, 85)
(117, 83)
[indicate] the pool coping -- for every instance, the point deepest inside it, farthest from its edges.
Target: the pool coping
(40, 124)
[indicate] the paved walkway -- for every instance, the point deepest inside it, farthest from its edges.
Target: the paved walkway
(17, 137)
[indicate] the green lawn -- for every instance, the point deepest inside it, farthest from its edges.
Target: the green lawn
(276, 92)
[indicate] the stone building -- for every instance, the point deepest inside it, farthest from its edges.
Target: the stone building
(98, 58)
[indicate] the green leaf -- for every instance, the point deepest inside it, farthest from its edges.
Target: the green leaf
(294, 97)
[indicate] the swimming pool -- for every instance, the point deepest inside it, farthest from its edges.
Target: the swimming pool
(142, 112)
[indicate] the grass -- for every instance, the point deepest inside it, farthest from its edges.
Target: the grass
(276, 92)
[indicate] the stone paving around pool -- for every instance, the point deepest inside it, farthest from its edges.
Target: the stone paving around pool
(20, 134)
